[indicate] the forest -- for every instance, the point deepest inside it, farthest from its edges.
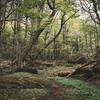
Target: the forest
(49, 50)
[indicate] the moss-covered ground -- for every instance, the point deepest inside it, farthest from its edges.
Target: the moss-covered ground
(46, 86)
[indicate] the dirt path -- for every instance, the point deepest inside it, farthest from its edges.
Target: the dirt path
(55, 92)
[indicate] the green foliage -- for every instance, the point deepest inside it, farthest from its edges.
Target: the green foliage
(65, 6)
(21, 75)
(31, 13)
(33, 92)
(78, 89)
(88, 28)
(20, 94)
(56, 69)
(78, 84)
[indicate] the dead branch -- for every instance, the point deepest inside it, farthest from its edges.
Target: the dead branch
(84, 65)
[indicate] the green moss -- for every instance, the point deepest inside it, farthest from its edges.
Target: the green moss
(21, 75)
(50, 70)
(22, 80)
(84, 94)
(21, 94)
(81, 89)
(33, 92)
(70, 89)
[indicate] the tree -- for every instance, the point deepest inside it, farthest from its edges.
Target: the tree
(92, 7)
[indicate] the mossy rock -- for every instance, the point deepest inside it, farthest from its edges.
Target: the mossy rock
(22, 80)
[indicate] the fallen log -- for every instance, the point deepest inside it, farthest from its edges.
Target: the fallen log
(61, 74)
(82, 66)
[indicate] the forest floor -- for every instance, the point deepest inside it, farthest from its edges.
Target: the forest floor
(46, 86)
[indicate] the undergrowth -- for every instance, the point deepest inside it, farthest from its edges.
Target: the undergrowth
(22, 94)
(80, 90)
